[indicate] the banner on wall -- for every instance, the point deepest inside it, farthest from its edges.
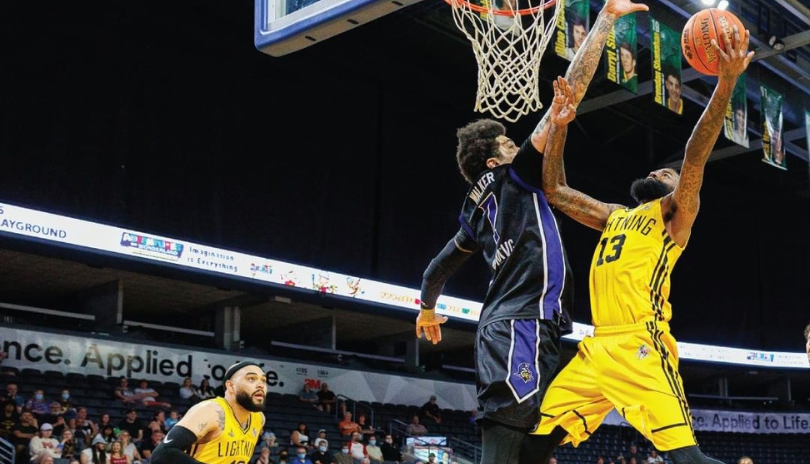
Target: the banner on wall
(735, 124)
(704, 420)
(621, 52)
(572, 27)
(45, 351)
(773, 148)
(666, 66)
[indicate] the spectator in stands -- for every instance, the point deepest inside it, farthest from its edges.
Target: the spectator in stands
(108, 434)
(46, 460)
(390, 452)
(268, 441)
(366, 429)
(300, 456)
(85, 428)
(117, 455)
(187, 391)
(66, 403)
(96, 453)
(632, 453)
(415, 429)
(123, 392)
(158, 422)
(13, 395)
(373, 451)
(37, 404)
(55, 418)
(321, 439)
(44, 444)
(174, 417)
(431, 410)
(807, 339)
(149, 397)
(205, 391)
(746, 459)
(632, 460)
(654, 458)
(357, 450)
(23, 432)
(8, 418)
(552, 460)
(327, 399)
(309, 396)
(431, 458)
(283, 457)
(104, 420)
(264, 457)
(129, 448)
(299, 438)
(347, 427)
(600, 460)
(150, 445)
(343, 457)
(473, 417)
(67, 447)
(321, 455)
(132, 425)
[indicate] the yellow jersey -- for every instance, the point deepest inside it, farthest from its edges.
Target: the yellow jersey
(631, 267)
(235, 444)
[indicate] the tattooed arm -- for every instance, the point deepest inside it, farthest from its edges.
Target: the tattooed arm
(201, 424)
(583, 66)
(575, 204)
(681, 207)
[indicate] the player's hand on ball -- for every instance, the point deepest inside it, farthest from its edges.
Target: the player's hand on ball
(623, 7)
(430, 323)
(733, 63)
(562, 107)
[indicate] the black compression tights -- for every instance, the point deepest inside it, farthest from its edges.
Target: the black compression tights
(503, 444)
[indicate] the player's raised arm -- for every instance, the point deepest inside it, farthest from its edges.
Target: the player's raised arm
(582, 68)
(577, 205)
(682, 207)
(444, 265)
(203, 422)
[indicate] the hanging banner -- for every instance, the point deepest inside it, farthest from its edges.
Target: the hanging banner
(704, 420)
(735, 126)
(573, 25)
(65, 353)
(772, 146)
(666, 66)
(620, 53)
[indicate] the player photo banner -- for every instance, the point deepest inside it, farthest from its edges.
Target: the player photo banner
(621, 52)
(573, 25)
(735, 126)
(773, 147)
(666, 66)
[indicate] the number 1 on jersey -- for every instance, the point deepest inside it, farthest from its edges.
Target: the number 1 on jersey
(490, 208)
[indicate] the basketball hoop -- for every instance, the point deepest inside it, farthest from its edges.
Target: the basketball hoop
(508, 42)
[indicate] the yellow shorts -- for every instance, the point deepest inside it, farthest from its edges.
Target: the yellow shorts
(633, 368)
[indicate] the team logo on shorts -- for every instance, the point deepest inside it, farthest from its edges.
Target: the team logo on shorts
(525, 372)
(643, 351)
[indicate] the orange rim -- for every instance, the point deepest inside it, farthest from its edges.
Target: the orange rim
(481, 9)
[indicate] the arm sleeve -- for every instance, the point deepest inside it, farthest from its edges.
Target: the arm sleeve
(528, 165)
(454, 254)
(172, 450)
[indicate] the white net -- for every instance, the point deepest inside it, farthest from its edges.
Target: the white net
(508, 39)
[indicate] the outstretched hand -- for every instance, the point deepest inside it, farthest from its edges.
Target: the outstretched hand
(431, 324)
(737, 57)
(623, 7)
(563, 110)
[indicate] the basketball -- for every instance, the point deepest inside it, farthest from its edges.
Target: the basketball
(696, 40)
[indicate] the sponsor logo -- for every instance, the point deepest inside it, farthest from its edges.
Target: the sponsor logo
(757, 356)
(266, 269)
(152, 247)
(524, 372)
(643, 351)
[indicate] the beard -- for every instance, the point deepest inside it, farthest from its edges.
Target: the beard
(245, 400)
(647, 189)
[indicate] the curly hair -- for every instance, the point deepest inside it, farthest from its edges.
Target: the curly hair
(476, 144)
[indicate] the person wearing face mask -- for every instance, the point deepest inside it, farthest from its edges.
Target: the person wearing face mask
(343, 457)
(373, 451)
(301, 456)
(390, 452)
(283, 457)
(320, 456)
(37, 404)
(66, 403)
(321, 440)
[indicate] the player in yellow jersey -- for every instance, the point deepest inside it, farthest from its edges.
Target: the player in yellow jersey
(220, 430)
(631, 362)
